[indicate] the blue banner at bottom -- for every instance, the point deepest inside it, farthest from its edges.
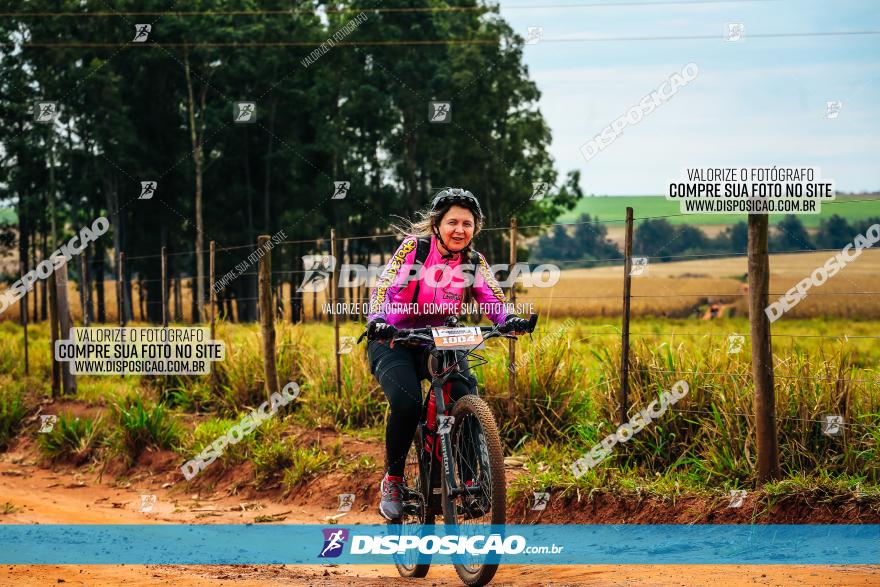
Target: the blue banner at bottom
(382, 544)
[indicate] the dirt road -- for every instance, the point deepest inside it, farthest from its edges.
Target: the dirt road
(38, 495)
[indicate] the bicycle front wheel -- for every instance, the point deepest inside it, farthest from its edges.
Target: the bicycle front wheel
(478, 461)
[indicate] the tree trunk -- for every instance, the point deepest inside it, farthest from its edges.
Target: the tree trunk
(44, 310)
(196, 138)
(409, 160)
(99, 281)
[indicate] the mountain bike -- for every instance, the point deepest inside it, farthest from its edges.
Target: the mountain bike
(455, 466)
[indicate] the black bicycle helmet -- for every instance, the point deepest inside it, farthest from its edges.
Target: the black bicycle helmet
(458, 196)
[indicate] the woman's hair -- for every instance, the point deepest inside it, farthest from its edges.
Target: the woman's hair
(428, 219)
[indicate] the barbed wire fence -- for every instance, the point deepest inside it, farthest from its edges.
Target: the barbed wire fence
(244, 286)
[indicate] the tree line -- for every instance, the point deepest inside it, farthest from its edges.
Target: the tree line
(163, 111)
(585, 242)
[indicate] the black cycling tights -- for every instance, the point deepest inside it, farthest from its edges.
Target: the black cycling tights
(400, 371)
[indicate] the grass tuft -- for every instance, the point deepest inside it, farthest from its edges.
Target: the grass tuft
(72, 439)
(139, 425)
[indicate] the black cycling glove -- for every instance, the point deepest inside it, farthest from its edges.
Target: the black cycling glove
(515, 324)
(378, 329)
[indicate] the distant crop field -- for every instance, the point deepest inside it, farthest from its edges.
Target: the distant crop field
(682, 289)
(614, 208)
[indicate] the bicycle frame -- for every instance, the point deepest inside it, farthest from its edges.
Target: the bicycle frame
(447, 364)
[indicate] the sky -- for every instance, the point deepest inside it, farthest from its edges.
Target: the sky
(756, 102)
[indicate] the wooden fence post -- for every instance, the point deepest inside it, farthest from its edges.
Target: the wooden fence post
(267, 317)
(164, 287)
(85, 291)
(627, 286)
(53, 333)
(120, 288)
(762, 352)
(142, 302)
(334, 295)
(68, 380)
(318, 244)
(23, 311)
(212, 295)
(511, 344)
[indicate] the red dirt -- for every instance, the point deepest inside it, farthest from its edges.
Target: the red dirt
(40, 493)
(603, 508)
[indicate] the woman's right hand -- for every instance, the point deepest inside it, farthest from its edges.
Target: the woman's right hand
(380, 330)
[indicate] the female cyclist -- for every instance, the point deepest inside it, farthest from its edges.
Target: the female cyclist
(452, 221)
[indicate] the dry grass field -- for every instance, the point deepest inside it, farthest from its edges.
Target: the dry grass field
(678, 289)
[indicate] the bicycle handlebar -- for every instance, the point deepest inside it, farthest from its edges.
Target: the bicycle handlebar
(425, 334)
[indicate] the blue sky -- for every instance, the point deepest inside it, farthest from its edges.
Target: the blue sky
(758, 102)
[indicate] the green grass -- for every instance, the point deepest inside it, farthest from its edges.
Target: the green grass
(614, 208)
(139, 425)
(72, 439)
(307, 463)
(565, 401)
(279, 460)
(12, 412)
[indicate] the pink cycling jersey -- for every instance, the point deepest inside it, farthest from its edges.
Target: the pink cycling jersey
(442, 287)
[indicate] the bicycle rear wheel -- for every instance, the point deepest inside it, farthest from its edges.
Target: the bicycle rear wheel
(478, 461)
(417, 517)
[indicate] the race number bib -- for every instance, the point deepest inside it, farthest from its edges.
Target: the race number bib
(460, 339)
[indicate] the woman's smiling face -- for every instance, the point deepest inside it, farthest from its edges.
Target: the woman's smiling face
(457, 228)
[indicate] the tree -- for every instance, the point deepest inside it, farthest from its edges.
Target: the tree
(591, 237)
(834, 233)
(791, 235)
